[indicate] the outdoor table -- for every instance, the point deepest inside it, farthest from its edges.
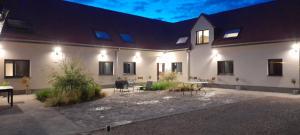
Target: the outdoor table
(196, 82)
(10, 93)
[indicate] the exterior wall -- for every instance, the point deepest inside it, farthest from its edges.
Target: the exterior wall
(43, 63)
(250, 62)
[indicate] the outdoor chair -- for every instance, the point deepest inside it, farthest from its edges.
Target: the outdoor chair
(121, 85)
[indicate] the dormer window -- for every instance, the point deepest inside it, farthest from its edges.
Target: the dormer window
(202, 37)
(102, 35)
(182, 40)
(126, 38)
(19, 25)
(234, 33)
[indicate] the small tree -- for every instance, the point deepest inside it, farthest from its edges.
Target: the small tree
(293, 81)
(169, 77)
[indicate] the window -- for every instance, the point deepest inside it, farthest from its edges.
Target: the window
(232, 33)
(127, 38)
(225, 67)
(182, 40)
(102, 35)
(202, 37)
(129, 68)
(275, 67)
(177, 67)
(16, 68)
(19, 25)
(106, 68)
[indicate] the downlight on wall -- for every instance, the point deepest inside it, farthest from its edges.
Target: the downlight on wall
(137, 57)
(2, 52)
(295, 51)
(216, 55)
(103, 55)
(57, 54)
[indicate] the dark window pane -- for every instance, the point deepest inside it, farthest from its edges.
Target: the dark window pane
(127, 38)
(129, 68)
(275, 67)
(106, 68)
(225, 68)
(17, 68)
(177, 67)
(102, 35)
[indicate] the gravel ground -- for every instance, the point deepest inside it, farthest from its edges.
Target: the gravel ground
(121, 109)
(263, 116)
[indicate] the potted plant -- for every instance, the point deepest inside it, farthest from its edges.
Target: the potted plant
(238, 87)
(295, 91)
(26, 83)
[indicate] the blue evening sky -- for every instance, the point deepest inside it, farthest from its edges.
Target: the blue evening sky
(169, 10)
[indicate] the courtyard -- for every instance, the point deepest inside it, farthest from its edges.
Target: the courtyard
(220, 111)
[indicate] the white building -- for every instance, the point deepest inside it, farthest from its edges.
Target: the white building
(256, 44)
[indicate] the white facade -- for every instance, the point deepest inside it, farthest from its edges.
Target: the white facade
(250, 61)
(44, 61)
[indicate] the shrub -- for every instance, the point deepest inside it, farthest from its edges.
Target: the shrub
(4, 83)
(70, 86)
(42, 95)
(169, 77)
(163, 85)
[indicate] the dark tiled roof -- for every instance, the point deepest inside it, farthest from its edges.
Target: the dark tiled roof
(273, 21)
(59, 21)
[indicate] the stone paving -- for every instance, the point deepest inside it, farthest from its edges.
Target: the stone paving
(126, 108)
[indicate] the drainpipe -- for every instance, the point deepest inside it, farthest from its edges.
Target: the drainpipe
(117, 63)
(188, 63)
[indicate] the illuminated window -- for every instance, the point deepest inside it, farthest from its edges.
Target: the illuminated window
(202, 37)
(232, 33)
(16, 68)
(127, 38)
(102, 35)
(275, 67)
(182, 40)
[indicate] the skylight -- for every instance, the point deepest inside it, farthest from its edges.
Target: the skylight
(102, 35)
(234, 33)
(182, 40)
(126, 38)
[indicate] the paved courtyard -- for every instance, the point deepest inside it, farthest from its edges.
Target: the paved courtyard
(219, 112)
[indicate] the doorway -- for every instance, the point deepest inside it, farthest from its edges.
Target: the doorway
(160, 70)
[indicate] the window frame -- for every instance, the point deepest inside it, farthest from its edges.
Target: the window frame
(231, 31)
(225, 74)
(127, 34)
(99, 70)
(108, 39)
(176, 67)
(13, 61)
(134, 71)
(275, 75)
(202, 37)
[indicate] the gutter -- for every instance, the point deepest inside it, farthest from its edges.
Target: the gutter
(253, 43)
(88, 45)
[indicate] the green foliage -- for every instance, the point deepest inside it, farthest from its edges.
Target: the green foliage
(71, 86)
(163, 85)
(42, 95)
(169, 77)
(5, 83)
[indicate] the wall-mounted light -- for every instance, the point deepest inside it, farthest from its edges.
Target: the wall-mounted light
(57, 54)
(216, 55)
(295, 50)
(103, 55)
(137, 57)
(2, 52)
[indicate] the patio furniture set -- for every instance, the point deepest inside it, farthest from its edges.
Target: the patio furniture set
(10, 93)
